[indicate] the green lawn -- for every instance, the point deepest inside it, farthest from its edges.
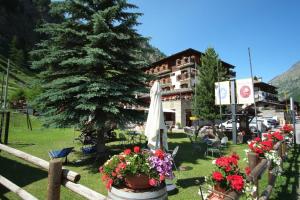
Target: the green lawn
(39, 141)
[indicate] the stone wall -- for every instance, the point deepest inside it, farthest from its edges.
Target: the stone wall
(180, 107)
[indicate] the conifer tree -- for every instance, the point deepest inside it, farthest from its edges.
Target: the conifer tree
(210, 71)
(90, 65)
(16, 54)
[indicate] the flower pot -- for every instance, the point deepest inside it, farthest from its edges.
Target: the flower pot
(218, 188)
(139, 181)
(217, 193)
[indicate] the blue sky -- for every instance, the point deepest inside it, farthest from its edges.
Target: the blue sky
(269, 27)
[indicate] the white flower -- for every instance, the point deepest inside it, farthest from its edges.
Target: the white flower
(213, 162)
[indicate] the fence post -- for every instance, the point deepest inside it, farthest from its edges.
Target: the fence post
(253, 161)
(54, 179)
(6, 127)
(284, 150)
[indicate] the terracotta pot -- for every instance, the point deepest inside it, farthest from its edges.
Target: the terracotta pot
(218, 188)
(139, 181)
(219, 195)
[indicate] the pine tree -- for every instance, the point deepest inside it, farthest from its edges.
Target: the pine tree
(16, 54)
(210, 71)
(90, 65)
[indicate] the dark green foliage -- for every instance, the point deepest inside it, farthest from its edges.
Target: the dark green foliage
(151, 54)
(90, 64)
(19, 18)
(16, 54)
(210, 69)
(288, 83)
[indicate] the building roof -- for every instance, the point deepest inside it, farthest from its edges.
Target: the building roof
(263, 84)
(184, 52)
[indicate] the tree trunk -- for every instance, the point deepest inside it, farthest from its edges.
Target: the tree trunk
(100, 146)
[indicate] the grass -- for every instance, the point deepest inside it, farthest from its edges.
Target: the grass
(39, 141)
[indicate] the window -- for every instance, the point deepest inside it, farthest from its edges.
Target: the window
(184, 86)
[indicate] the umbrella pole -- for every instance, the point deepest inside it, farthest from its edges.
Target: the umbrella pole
(161, 139)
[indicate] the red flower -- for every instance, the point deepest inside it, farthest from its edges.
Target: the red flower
(159, 153)
(248, 171)
(136, 149)
(127, 151)
(217, 176)
(109, 184)
(267, 145)
(236, 182)
(278, 136)
(257, 139)
(161, 177)
(287, 128)
(235, 156)
(152, 182)
(228, 168)
(114, 174)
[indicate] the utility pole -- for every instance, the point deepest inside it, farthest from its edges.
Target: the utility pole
(233, 110)
(255, 111)
(219, 91)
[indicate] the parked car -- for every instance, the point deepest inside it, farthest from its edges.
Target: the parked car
(265, 124)
(274, 122)
(228, 125)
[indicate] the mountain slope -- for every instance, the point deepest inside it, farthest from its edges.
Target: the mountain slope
(289, 82)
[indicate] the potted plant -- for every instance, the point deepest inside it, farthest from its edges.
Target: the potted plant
(137, 169)
(287, 128)
(227, 177)
(264, 149)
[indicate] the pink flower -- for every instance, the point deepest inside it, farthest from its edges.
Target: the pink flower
(152, 182)
(127, 151)
(101, 169)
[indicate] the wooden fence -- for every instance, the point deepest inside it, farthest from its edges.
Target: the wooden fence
(259, 167)
(57, 176)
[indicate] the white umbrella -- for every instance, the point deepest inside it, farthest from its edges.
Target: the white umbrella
(155, 119)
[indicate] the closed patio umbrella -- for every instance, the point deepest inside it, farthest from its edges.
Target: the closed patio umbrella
(155, 119)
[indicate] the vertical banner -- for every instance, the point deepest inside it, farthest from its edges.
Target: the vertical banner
(244, 91)
(222, 93)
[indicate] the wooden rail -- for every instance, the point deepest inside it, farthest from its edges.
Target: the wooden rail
(258, 167)
(57, 176)
(69, 175)
(16, 189)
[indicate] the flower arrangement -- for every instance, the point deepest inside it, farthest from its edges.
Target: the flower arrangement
(287, 128)
(155, 166)
(264, 148)
(227, 175)
(260, 147)
(274, 137)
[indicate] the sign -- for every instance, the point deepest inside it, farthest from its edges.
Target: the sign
(244, 91)
(222, 93)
